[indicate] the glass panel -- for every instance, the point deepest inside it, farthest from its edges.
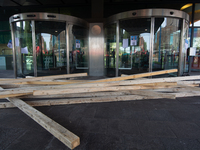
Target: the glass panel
(196, 43)
(134, 45)
(197, 15)
(78, 49)
(186, 45)
(23, 48)
(6, 57)
(110, 49)
(50, 47)
(166, 43)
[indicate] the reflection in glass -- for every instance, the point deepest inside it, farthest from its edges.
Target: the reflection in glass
(78, 49)
(23, 47)
(166, 43)
(197, 15)
(134, 44)
(50, 47)
(110, 49)
(196, 43)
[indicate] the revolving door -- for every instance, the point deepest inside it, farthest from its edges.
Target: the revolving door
(48, 44)
(145, 40)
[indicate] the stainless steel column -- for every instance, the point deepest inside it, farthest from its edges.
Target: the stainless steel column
(117, 49)
(13, 49)
(181, 54)
(151, 44)
(67, 46)
(96, 49)
(34, 48)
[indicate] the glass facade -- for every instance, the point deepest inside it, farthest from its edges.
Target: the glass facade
(5, 47)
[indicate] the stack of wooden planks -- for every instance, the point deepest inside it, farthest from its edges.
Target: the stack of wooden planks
(69, 89)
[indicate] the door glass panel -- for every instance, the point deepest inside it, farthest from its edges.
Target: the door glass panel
(50, 47)
(78, 49)
(134, 45)
(197, 15)
(166, 43)
(110, 49)
(23, 48)
(196, 44)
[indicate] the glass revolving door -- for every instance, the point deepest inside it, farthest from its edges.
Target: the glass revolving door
(48, 44)
(147, 40)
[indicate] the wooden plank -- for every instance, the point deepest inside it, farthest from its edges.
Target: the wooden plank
(88, 100)
(78, 95)
(43, 78)
(14, 93)
(129, 82)
(68, 138)
(156, 80)
(91, 89)
(157, 84)
(136, 76)
(47, 82)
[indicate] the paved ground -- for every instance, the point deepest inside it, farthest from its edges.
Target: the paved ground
(132, 125)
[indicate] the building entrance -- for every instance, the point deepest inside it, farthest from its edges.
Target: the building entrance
(48, 44)
(145, 41)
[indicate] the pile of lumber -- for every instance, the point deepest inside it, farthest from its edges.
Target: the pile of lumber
(70, 89)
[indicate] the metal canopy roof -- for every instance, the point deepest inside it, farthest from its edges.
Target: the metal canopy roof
(4, 3)
(7, 3)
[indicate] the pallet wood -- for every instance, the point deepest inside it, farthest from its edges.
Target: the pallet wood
(43, 78)
(68, 138)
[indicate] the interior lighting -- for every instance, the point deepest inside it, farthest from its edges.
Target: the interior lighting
(186, 6)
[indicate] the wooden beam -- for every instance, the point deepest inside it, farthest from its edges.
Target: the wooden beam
(136, 76)
(43, 78)
(90, 100)
(14, 93)
(91, 89)
(68, 138)
(48, 82)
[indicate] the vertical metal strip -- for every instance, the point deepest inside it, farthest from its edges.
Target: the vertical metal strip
(67, 46)
(34, 48)
(151, 44)
(191, 38)
(14, 50)
(181, 54)
(117, 48)
(192, 29)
